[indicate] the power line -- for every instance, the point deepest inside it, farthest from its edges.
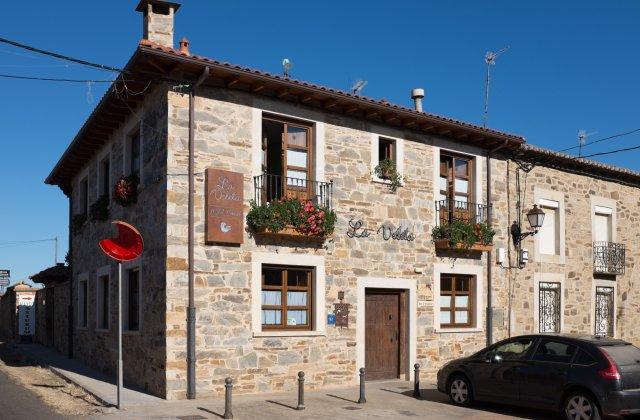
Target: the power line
(53, 79)
(60, 56)
(626, 133)
(613, 151)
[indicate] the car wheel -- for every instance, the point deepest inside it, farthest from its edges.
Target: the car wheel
(460, 392)
(581, 406)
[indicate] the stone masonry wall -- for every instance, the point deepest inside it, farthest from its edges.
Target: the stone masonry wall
(224, 339)
(577, 271)
(144, 353)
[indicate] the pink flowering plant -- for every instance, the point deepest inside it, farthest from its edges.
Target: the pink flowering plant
(304, 216)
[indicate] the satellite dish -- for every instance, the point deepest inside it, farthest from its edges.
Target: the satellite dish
(358, 86)
(286, 66)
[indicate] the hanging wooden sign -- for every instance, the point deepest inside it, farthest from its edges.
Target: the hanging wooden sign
(224, 205)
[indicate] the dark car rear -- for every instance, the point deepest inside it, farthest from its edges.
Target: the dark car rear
(583, 376)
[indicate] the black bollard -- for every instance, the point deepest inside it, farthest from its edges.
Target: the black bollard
(300, 391)
(362, 399)
(416, 380)
(228, 387)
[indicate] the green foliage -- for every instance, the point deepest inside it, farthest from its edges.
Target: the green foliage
(465, 233)
(303, 215)
(100, 209)
(77, 223)
(386, 170)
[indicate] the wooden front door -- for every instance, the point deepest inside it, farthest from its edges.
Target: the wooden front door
(383, 334)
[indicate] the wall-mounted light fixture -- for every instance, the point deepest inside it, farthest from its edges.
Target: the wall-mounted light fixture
(535, 216)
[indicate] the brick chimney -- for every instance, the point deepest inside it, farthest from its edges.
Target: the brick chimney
(158, 20)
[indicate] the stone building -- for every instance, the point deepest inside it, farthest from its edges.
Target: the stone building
(381, 291)
(17, 313)
(52, 306)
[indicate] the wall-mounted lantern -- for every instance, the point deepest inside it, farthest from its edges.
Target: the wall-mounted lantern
(535, 216)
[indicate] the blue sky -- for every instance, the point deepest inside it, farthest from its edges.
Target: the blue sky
(572, 65)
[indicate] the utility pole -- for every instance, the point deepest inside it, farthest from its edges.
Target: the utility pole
(490, 59)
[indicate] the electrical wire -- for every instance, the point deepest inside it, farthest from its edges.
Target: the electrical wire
(52, 79)
(61, 56)
(626, 133)
(626, 149)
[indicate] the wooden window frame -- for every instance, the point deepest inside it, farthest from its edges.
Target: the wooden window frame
(309, 150)
(283, 307)
(470, 308)
(392, 149)
(449, 173)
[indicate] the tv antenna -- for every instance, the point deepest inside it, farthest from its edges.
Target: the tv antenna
(582, 137)
(286, 66)
(358, 86)
(490, 59)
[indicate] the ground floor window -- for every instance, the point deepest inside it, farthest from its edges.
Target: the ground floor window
(83, 303)
(604, 308)
(549, 306)
(102, 303)
(286, 297)
(131, 300)
(457, 300)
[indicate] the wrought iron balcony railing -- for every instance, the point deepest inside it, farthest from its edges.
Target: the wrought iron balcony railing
(269, 187)
(608, 258)
(448, 211)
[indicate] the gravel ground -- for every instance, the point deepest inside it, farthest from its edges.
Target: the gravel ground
(63, 397)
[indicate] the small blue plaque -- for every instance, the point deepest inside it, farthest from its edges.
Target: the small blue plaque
(331, 319)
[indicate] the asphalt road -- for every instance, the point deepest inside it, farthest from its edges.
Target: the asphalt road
(18, 403)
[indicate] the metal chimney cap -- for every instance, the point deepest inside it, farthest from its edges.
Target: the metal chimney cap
(417, 93)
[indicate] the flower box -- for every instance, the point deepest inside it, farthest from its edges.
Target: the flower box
(444, 244)
(287, 232)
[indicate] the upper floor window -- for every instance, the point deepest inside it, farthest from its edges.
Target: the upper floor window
(83, 196)
(134, 153)
(549, 235)
(104, 177)
(386, 149)
(603, 226)
(456, 178)
(286, 158)
(286, 297)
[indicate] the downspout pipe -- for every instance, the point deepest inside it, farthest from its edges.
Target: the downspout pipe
(191, 308)
(70, 320)
(489, 253)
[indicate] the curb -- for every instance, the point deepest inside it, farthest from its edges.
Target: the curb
(65, 377)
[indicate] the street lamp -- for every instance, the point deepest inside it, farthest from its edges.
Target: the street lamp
(535, 216)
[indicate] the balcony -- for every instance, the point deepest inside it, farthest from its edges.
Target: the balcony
(462, 225)
(608, 258)
(291, 208)
(269, 187)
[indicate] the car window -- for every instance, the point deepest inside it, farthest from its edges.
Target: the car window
(514, 350)
(583, 358)
(623, 355)
(554, 351)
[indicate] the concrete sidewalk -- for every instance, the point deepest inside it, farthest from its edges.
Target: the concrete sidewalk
(101, 386)
(385, 400)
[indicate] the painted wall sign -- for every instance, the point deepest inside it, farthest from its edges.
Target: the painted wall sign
(224, 201)
(385, 231)
(5, 275)
(26, 314)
